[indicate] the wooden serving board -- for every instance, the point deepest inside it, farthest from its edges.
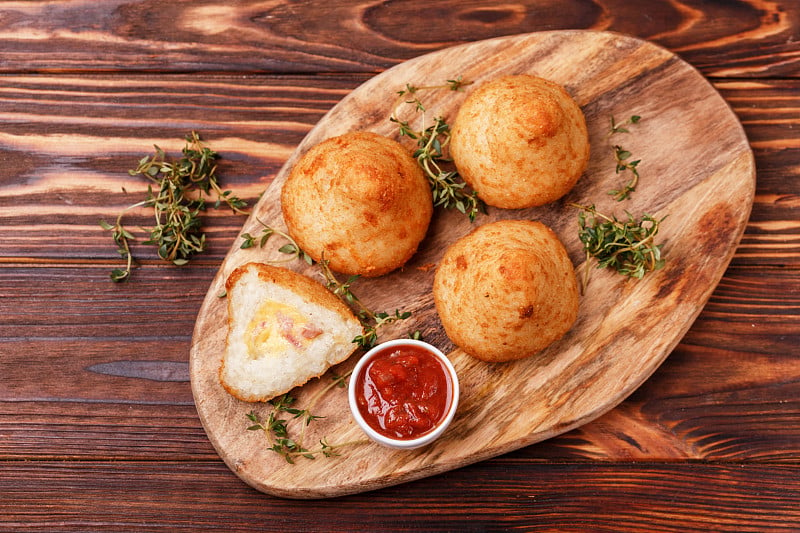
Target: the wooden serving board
(696, 168)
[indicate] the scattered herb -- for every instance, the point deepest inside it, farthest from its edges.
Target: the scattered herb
(122, 238)
(447, 189)
(291, 248)
(621, 158)
(622, 128)
(627, 246)
(408, 95)
(416, 335)
(371, 321)
(177, 195)
(277, 428)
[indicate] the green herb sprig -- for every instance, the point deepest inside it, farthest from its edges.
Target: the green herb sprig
(627, 246)
(372, 321)
(621, 157)
(277, 429)
(447, 189)
(622, 160)
(291, 248)
(122, 238)
(178, 194)
(623, 127)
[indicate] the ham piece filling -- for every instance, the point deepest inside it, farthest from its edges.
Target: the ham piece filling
(286, 327)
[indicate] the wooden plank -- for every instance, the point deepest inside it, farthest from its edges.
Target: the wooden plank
(768, 109)
(744, 312)
(128, 377)
(56, 184)
(360, 36)
(68, 143)
(513, 493)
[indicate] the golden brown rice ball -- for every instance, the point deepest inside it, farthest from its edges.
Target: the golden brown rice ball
(361, 200)
(520, 141)
(506, 291)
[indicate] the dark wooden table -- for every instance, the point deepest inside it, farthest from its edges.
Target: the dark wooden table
(98, 429)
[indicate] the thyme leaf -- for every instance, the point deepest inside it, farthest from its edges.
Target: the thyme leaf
(371, 320)
(447, 189)
(276, 427)
(627, 246)
(291, 248)
(178, 193)
(622, 128)
(621, 157)
(622, 160)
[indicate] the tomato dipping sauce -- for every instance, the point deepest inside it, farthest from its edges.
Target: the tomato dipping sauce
(404, 391)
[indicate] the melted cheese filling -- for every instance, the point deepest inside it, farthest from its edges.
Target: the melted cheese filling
(277, 327)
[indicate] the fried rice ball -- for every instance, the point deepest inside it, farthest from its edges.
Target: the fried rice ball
(361, 201)
(506, 291)
(283, 329)
(520, 141)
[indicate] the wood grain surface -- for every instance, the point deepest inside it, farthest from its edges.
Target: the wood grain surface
(98, 427)
(702, 178)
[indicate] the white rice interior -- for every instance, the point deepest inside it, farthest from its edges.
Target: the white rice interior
(268, 375)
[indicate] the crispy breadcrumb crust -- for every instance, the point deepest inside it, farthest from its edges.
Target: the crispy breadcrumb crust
(520, 141)
(361, 200)
(506, 291)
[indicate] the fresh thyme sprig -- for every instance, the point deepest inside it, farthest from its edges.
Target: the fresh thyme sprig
(371, 320)
(291, 248)
(408, 94)
(627, 246)
(122, 238)
(621, 159)
(373, 323)
(177, 195)
(447, 189)
(623, 127)
(276, 428)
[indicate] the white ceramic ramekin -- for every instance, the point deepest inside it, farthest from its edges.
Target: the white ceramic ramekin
(426, 438)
